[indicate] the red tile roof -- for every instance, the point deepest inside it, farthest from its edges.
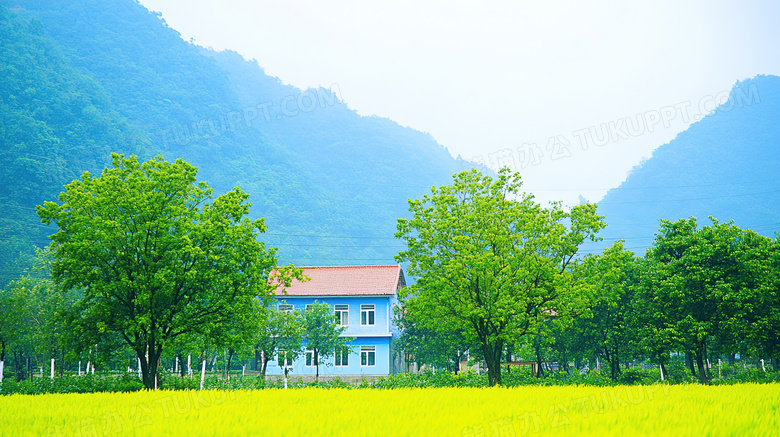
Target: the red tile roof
(348, 281)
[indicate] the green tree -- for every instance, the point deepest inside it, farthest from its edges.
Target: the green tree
(756, 321)
(708, 280)
(31, 309)
(444, 349)
(650, 317)
(237, 336)
(154, 258)
(490, 260)
(605, 328)
(10, 318)
(281, 334)
(322, 333)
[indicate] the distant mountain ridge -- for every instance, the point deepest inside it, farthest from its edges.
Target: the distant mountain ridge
(80, 79)
(84, 78)
(726, 165)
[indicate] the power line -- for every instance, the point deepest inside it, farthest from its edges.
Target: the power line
(655, 187)
(691, 198)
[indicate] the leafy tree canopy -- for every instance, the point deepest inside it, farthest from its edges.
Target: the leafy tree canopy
(156, 257)
(322, 332)
(490, 260)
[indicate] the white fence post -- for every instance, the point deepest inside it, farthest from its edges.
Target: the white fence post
(2, 366)
(52, 369)
(203, 374)
(661, 368)
(189, 366)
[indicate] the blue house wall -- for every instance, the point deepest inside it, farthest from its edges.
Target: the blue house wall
(380, 335)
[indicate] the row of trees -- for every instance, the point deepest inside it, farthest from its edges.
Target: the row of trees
(500, 276)
(146, 260)
(37, 323)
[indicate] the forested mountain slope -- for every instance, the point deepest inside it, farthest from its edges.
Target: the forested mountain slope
(85, 78)
(726, 165)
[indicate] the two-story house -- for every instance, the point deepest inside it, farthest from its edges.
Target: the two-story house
(362, 299)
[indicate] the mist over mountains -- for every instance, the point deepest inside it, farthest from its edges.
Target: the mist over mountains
(86, 78)
(83, 78)
(726, 165)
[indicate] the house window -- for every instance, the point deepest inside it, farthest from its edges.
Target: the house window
(342, 314)
(342, 357)
(308, 306)
(283, 360)
(287, 308)
(311, 358)
(366, 314)
(367, 355)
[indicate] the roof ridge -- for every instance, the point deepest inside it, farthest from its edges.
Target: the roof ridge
(350, 267)
(346, 280)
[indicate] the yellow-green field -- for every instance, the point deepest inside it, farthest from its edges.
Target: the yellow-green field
(740, 410)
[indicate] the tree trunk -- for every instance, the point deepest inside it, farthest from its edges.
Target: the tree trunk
(662, 366)
(492, 353)
(615, 364)
(231, 351)
(317, 366)
(182, 367)
(149, 367)
(689, 362)
(17, 360)
(776, 364)
(457, 364)
(732, 359)
(539, 369)
(264, 365)
(253, 364)
(700, 364)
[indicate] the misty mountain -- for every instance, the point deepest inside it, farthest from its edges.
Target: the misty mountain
(84, 78)
(727, 165)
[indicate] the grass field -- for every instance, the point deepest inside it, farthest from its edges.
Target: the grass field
(687, 410)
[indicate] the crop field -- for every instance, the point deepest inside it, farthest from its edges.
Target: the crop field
(683, 410)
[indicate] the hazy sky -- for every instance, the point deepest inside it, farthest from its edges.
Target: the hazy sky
(550, 87)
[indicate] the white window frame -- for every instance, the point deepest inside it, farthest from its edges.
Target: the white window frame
(341, 358)
(286, 307)
(367, 314)
(306, 307)
(365, 355)
(342, 314)
(309, 358)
